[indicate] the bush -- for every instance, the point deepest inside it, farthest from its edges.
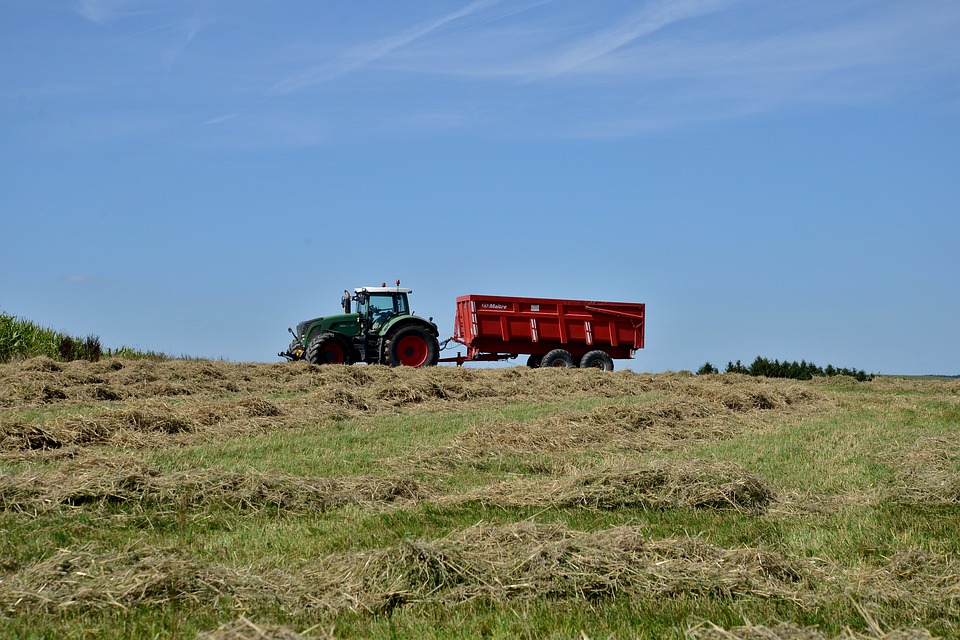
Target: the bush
(707, 368)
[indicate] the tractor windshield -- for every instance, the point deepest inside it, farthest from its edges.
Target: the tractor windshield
(384, 306)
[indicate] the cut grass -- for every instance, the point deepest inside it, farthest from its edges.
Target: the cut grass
(530, 518)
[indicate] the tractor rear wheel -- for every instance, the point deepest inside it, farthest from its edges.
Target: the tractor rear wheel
(413, 347)
(597, 360)
(558, 358)
(328, 348)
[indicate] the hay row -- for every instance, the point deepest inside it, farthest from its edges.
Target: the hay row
(96, 481)
(527, 560)
(788, 631)
(703, 412)
(244, 629)
(87, 578)
(518, 561)
(913, 579)
(694, 484)
(690, 485)
(41, 380)
(138, 424)
(693, 409)
(927, 472)
(505, 563)
(657, 425)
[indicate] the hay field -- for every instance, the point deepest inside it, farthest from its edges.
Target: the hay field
(191, 499)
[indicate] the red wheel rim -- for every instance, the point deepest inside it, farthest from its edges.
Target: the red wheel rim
(412, 351)
(332, 354)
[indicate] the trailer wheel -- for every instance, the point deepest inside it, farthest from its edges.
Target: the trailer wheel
(597, 360)
(558, 358)
(534, 361)
(328, 348)
(413, 347)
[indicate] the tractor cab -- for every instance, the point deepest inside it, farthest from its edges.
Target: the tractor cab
(377, 305)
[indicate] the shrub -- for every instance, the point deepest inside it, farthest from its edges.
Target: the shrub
(707, 368)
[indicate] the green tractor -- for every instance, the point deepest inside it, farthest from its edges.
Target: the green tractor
(381, 331)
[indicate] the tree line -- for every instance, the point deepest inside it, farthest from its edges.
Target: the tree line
(802, 370)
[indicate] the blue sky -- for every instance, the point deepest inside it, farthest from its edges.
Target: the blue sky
(771, 178)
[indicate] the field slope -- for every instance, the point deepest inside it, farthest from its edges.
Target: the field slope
(185, 499)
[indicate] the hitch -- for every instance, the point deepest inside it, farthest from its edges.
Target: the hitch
(295, 351)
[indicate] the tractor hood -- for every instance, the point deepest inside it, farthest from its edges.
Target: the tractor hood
(345, 323)
(303, 326)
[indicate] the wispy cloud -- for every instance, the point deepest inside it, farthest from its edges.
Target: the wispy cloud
(219, 119)
(85, 279)
(524, 68)
(651, 18)
(186, 32)
(364, 55)
(104, 11)
(618, 80)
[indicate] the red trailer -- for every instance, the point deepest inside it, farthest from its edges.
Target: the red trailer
(556, 333)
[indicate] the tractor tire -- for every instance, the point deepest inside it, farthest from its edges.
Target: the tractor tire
(558, 358)
(534, 361)
(412, 346)
(597, 360)
(328, 348)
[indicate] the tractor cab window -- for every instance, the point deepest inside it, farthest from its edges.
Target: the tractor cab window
(380, 307)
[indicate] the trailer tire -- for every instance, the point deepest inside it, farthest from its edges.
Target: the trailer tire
(412, 346)
(558, 358)
(597, 360)
(534, 361)
(328, 348)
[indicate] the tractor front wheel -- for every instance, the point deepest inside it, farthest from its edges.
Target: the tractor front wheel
(328, 348)
(413, 347)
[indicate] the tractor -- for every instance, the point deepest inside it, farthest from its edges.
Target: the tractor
(381, 331)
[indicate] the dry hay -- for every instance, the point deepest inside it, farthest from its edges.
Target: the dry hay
(133, 482)
(692, 410)
(927, 472)
(149, 404)
(88, 578)
(807, 503)
(140, 424)
(40, 381)
(658, 425)
(244, 629)
(932, 488)
(932, 386)
(691, 485)
(512, 562)
(742, 394)
(913, 579)
(506, 563)
(788, 631)
(61, 432)
(527, 560)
